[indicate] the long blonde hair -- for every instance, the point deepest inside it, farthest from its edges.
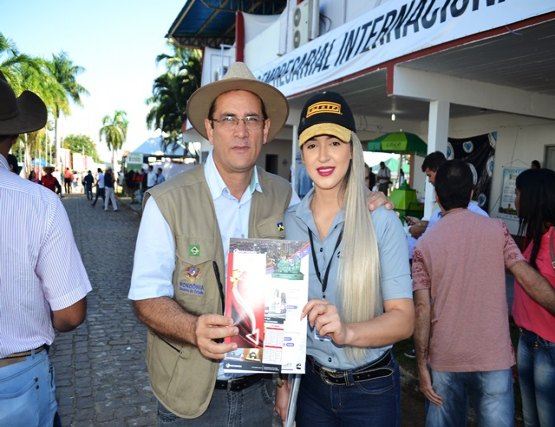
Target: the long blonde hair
(359, 270)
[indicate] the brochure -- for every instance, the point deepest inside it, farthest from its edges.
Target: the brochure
(266, 290)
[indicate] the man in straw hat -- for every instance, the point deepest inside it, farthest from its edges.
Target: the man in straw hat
(179, 269)
(41, 291)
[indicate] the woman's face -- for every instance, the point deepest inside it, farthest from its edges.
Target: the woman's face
(327, 161)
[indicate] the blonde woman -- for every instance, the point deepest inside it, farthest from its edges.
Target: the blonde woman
(360, 294)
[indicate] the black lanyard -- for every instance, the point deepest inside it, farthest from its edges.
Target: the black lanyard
(324, 282)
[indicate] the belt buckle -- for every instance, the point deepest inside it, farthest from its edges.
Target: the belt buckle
(328, 374)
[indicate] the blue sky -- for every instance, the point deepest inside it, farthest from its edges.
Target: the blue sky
(116, 41)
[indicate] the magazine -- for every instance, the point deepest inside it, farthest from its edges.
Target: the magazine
(266, 290)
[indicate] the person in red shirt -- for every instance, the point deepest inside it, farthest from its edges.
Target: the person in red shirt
(68, 180)
(50, 181)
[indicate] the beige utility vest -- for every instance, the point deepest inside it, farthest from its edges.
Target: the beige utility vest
(181, 377)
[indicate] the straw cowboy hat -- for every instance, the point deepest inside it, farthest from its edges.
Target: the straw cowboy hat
(238, 77)
(26, 113)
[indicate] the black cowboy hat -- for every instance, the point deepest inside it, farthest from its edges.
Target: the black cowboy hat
(26, 113)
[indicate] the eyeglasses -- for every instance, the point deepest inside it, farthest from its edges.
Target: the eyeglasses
(231, 122)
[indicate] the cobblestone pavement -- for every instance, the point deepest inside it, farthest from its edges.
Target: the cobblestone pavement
(101, 376)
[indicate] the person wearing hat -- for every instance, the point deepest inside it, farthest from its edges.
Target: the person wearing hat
(179, 266)
(360, 294)
(42, 291)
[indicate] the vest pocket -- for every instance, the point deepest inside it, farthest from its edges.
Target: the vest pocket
(271, 228)
(195, 283)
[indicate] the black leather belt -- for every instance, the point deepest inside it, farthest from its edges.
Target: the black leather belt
(19, 357)
(238, 384)
(376, 369)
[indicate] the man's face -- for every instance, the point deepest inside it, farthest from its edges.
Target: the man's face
(236, 148)
(431, 175)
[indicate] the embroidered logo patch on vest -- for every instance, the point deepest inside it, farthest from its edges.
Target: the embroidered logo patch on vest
(192, 273)
(194, 250)
(280, 226)
(190, 285)
(324, 107)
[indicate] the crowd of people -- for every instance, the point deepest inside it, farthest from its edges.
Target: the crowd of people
(364, 295)
(100, 185)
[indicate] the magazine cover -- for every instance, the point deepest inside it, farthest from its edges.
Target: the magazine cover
(266, 289)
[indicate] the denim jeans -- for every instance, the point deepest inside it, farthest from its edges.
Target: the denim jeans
(490, 393)
(28, 393)
(375, 402)
(253, 406)
(536, 373)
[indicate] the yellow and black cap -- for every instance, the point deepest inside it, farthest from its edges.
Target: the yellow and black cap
(326, 113)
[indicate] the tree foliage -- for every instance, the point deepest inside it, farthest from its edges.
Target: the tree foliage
(81, 144)
(114, 132)
(65, 72)
(171, 91)
(55, 82)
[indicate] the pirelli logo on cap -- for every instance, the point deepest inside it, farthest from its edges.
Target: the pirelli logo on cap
(324, 107)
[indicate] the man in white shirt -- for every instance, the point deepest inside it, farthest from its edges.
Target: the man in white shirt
(100, 188)
(42, 278)
(383, 178)
(151, 177)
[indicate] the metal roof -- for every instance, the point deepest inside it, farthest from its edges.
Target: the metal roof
(212, 22)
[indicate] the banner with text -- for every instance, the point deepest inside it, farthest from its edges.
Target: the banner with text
(391, 30)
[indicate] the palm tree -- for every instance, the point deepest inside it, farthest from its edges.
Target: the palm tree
(62, 69)
(54, 81)
(114, 130)
(26, 72)
(11, 61)
(171, 92)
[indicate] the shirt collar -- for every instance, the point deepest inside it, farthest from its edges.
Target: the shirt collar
(4, 162)
(216, 183)
(304, 213)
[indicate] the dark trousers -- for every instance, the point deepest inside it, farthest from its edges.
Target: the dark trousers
(99, 193)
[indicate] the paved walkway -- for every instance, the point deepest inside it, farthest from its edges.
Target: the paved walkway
(100, 371)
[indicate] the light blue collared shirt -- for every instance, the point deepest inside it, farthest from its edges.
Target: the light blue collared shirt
(232, 214)
(395, 280)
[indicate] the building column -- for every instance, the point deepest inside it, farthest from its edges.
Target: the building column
(438, 129)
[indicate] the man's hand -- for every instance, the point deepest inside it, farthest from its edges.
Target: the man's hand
(418, 229)
(376, 199)
(282, 400)
(210, 330)
(426, 386)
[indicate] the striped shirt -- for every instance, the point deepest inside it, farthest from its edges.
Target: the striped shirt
(40, 267)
